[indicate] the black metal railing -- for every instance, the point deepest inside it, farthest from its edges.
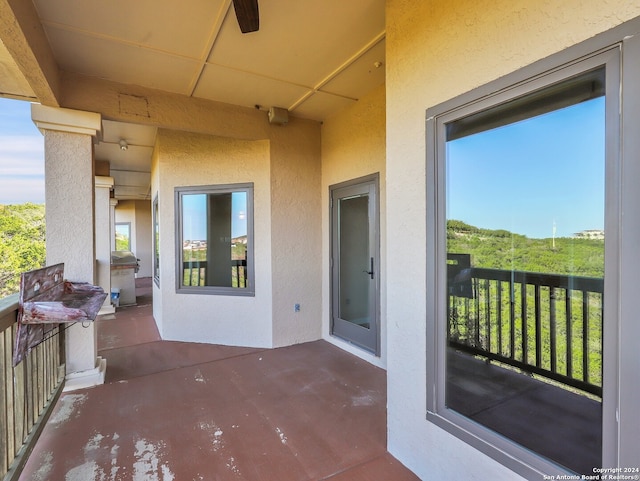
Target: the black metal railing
(194, 273)
(544, 324)
(29, 389)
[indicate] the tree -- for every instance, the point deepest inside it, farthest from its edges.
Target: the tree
(22, 243)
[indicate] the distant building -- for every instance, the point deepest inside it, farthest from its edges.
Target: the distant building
(590, 234)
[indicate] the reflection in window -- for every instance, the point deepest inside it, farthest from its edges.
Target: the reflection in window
(354, 305)
(123, 236)
(215, 239)
(525, 269)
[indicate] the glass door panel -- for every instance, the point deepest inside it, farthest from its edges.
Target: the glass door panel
(354, 260)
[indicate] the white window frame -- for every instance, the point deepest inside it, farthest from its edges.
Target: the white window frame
(619, 50)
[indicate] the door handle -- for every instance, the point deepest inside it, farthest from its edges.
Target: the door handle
(370, 272)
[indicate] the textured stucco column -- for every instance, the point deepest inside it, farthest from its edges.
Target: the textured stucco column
(112, 223)
(104, 234)
(70, 221)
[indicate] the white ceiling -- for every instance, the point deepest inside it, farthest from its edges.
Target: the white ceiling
(130, 168)
(311, 57)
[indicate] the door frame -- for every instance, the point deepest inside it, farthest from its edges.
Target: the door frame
(374, 181)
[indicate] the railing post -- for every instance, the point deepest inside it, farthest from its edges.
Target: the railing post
(538, 315)
(569, 334)
(28, 392)
(552, 329)
(488, 312)
(523, 321)
(512, 318)
(476, 323)
(499, 306)
(4, 402)
(585, 336)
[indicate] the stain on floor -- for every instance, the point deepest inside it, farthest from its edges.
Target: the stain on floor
(175, 411)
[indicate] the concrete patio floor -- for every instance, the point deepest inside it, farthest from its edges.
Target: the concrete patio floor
(175, 411)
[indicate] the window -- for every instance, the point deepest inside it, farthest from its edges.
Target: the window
(156, 242)
(123, 236)
(519, 243)
(215, 239)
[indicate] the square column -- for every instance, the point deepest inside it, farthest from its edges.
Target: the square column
(103, 188)
(70, 221)
(112, 222)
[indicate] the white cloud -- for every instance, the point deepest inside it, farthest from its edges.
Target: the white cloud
(22, 144)
(16, 190)
(21, 169)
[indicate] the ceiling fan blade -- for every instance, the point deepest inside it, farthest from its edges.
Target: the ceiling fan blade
(247, 15)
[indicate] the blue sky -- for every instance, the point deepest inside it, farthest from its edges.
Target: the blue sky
(526, 176)
(194, 217)
(21, 155)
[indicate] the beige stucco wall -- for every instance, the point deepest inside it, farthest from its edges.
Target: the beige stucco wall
(285, 171)
(435, 51)
(353, 146)
(295, 232)
(142, 237)
(186, 159)
(157, 283)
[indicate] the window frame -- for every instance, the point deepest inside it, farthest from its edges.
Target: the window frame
(179, 192)
(548, 72)
(155, 213)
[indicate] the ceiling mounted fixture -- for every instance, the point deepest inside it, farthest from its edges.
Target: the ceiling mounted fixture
(123, 144)
(247, 15)
(278, 116)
